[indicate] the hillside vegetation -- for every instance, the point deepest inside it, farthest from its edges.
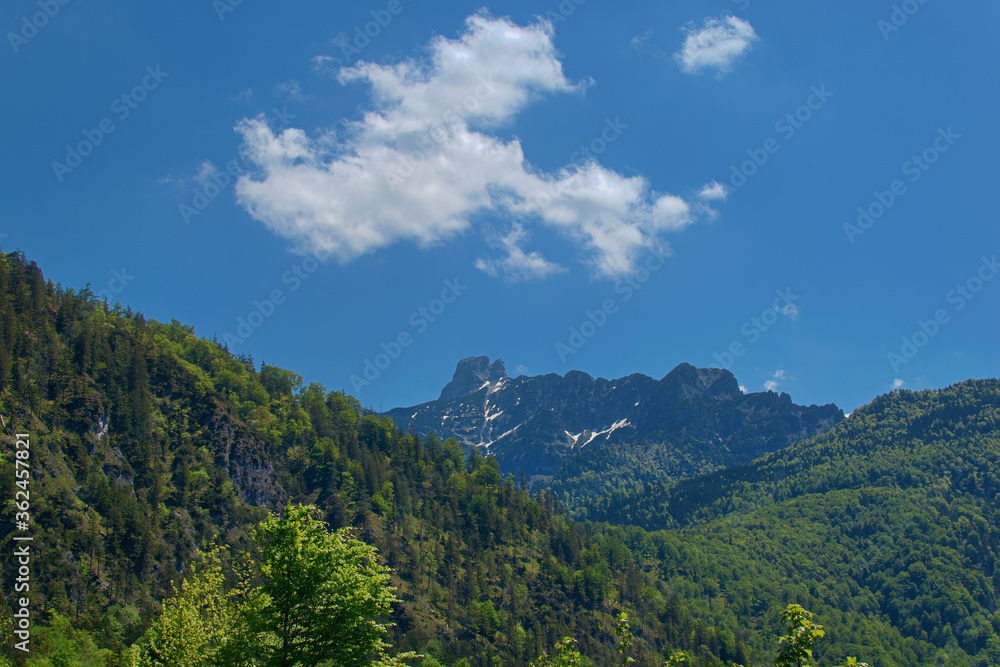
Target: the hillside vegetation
(892, 516)
(149, 445)
(151, 448)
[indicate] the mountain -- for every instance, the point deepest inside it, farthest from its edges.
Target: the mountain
(895, 514)
(532, 424)
(149, 444)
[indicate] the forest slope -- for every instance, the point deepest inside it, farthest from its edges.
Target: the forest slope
(149, 444)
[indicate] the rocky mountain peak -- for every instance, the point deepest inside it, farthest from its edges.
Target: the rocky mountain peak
(498, 371)
(711, 381)
(471, 374)
(530, 424)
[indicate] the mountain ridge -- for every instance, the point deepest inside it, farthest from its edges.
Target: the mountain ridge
(531, 424)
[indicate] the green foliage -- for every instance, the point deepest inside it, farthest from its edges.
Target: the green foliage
(625, 637)
(566, 655)
(323, 596)
(796, 646)
(150, 444)
(886, 525)
(136, 457)
(60, 645)
(676, 659)
(196, 625)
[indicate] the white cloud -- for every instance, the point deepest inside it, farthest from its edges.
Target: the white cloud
(897, 383)
(422, 161)
(324, 64)
(743, 389)
(172, 181)
(671, 213)
(713, 191)
(517, 265)
(521, 369)
(205, 171)
(291, 90)
(639, 40)
(778, 378)
(791, 311)
(717, 44)
(245, 95)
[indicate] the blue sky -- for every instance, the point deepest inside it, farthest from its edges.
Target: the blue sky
(563, 186)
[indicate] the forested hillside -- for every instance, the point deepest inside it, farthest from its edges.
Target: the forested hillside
(150, 445)
(891, 516)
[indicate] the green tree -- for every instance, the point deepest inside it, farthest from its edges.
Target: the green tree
(60, 645)
(675, 659)
(566, 655)
(795, 648)
(323, 598)
(625, 637)
(195, 627)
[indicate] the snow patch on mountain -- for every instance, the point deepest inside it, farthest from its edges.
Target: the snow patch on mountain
(487, 445)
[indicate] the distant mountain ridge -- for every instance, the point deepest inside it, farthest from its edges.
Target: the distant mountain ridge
(531, 424)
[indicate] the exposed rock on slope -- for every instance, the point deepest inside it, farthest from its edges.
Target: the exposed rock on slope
(530, 424)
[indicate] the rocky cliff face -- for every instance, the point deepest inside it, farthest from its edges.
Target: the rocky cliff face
(473, 374)
(245, 459)
(530, 424)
